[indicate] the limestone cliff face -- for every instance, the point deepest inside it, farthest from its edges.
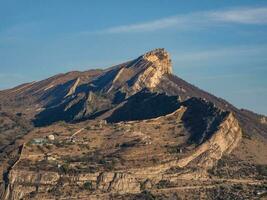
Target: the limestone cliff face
(157, 63)
(118, 182)
(23, 182)
(143, 72)
(222, 142)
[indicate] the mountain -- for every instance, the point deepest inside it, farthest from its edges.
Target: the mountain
(132, 131)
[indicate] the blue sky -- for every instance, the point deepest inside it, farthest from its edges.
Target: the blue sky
(219, 46)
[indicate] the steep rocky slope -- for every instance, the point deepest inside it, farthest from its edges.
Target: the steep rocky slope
(130, 128)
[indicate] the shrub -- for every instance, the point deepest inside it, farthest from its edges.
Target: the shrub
(131, 143)
(163, 184)
(107, 164)
(174, 170)
(88, 185)
(157, 127)
(174, 149)
(146, 195)
(65, 168)
(262, 170)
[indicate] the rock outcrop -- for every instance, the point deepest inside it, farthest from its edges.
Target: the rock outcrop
(263, 120)
(118, 183)
(73, 88)
(158, 63)
(222, 142)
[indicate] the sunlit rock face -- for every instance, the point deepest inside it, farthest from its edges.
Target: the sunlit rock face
(157, 63)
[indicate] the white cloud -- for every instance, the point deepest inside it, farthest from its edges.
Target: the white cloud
(197, 19)
(209, 55)
(243, 16)
(148, 26)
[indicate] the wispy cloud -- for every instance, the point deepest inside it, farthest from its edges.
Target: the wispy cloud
(244, 51)
(149, 26)
(197, 19)
(244, 16)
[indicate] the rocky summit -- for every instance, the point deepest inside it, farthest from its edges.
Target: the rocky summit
(131, 131)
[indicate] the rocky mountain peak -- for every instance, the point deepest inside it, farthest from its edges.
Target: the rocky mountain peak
(161, 58)
(151, 67)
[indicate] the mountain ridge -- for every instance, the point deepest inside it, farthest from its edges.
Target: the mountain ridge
(122, 113)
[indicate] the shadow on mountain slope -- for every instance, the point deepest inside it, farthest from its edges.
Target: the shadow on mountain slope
(145, 105)
(201, 119)
(58, 113)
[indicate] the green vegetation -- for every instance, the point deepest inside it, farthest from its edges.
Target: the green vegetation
(146, 195)
(88, 185)
(164, 184)
(262, 170)
(131, 143)
(174, 170)
(63, 143)
(108, 164)
(174, 149)
(65, 168)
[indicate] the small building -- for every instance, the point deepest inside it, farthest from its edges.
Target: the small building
(51, 137)
(38, 141)
(50, 157)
